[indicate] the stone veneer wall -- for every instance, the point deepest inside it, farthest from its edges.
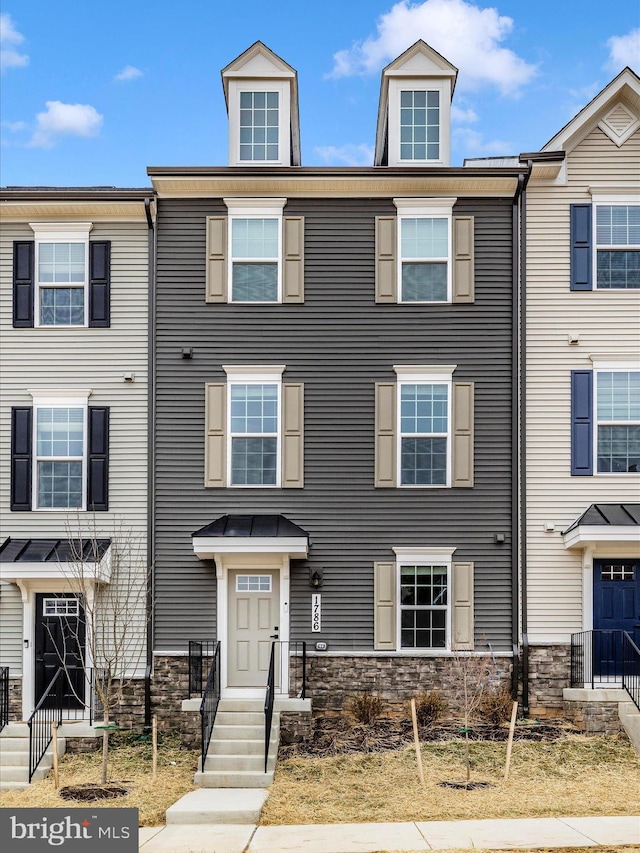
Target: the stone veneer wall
(594, 717)
(169, 686)
(549, 674)
(15, 699)
(332, 680)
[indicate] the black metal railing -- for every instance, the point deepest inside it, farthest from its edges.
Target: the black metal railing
(268, 704)
(47, 711)
(631, 668)
(4, 696)
(596, 658)
(210, 702)
(290, 657)
(201, 654)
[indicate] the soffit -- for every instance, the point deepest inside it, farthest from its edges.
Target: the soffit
(60, 209)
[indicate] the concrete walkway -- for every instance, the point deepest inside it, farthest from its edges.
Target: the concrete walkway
(374, 837)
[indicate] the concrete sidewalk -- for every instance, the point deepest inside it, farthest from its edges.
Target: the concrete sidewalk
(374, 837)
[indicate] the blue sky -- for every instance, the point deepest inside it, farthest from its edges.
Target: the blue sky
(92, 95)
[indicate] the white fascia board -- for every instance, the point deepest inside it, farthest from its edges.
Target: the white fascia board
(592, 534)
(21, 571)
(206, 547)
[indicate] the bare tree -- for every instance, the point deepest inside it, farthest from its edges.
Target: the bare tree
(111, 584)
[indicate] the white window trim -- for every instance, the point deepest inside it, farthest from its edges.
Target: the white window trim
(236, 87)
(608, 198)
(254, 208)
(413, 374)
(424, 557)
(245, 374)
(424, 85)
(60, 232)
(61, 399)
(425, 208)
(609, 367)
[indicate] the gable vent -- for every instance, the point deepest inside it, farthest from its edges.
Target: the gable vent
(619, 124)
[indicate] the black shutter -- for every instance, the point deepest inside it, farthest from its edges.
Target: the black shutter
(581, 263)
(98, 459)
(99, 283)
(23, 283)
(21, 457)
(581, 423)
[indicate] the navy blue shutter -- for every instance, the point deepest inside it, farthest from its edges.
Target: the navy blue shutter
(21, 457)
(99, 283)
(23, 283)
(581, 258)
(98, 459)
(581, 422)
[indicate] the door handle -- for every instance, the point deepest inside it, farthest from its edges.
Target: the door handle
(273, 636)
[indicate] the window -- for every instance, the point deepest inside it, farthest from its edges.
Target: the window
(59, 453)
(424, 600)
(259, 126)
(253, 583)
(424, 429)
(419, 125)
(424, 258)
(60, 607)
(617, 232)
(254, 425)
(618, 421)
(255, 250)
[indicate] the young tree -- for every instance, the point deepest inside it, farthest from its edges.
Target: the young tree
(112, 587)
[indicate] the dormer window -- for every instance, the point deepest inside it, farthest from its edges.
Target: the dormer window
(419, 124)
(259, 126)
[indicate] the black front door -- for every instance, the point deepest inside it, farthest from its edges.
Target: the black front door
(616, 608)
(60, 641)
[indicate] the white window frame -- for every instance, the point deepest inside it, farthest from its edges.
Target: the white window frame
(60, 232)
(282, 87)
(609, 367)
(423, 557)
(247, 208)
(419, 84)
(254, 375)
(425, 208)
(51, 399)
(609, 200)
(424, 375)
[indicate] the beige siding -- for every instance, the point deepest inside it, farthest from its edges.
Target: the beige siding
(85, 358)
(11, 628)
(608, 323)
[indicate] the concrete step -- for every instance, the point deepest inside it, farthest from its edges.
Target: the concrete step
(231, 763)
(9, 773)
(240, 779)
(15, 758)
(236, 747)
(238, 732)
(221, 805)
(13, 744)
(630, 719)
(13, 786)
(252, 706)
(15, 730)
(237, 718)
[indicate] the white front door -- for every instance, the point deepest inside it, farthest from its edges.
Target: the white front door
(254, 606)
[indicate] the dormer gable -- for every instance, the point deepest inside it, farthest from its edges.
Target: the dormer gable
(414, 112)
(261, 95)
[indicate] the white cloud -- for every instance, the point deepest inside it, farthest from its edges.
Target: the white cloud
(624, 50)
(474, 143)
(129, 72)
(346, 155)
(10, 57)
(65, 120)
(468, 36)
(467, 116)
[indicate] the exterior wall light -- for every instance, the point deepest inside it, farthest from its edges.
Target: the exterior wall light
(316, 580)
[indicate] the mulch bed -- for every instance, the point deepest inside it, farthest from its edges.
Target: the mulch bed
(339, 736)
(88, 792)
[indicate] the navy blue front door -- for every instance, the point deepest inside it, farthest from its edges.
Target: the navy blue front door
(616, 608)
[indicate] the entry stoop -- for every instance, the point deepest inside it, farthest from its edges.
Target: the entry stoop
(14, 757)
(235, 758)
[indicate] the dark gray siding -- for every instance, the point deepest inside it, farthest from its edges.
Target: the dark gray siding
(339, 342)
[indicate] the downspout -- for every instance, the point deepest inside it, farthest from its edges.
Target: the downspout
(518, 506)
(151, 256)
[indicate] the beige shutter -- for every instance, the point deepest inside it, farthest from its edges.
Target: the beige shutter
(462, 606)
(215, 448)
(216, 259)
(385, 448)
(384, 617)
(463, 259)
(293, 435)
(293, 251)
(462, 452)
(386, 250)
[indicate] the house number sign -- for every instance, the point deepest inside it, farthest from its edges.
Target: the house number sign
(316, 612)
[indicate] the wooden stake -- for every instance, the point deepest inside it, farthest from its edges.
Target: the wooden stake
(512, 727)
(54, 732)
(154, 743)
(417, 740)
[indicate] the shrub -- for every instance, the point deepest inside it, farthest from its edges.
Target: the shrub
(365, 707)
(495, 705)
(430, 707)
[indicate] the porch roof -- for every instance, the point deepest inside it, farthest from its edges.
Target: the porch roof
(605, 523)
(48, 559)
(251, 533)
